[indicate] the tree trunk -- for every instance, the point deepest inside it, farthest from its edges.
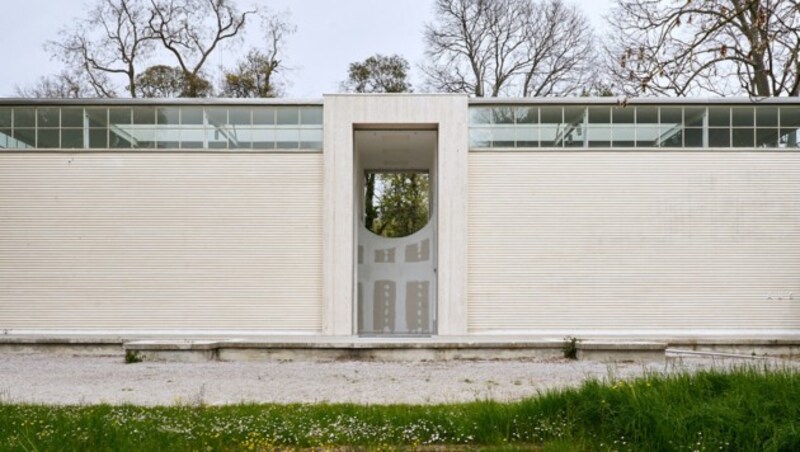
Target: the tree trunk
(370, 214)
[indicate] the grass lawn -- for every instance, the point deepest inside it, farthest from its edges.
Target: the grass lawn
(747, 409)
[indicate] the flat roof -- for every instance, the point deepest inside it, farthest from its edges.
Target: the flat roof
(488, 101)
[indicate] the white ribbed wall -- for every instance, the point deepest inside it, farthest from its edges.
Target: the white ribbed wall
(161, 241)
(634, 241)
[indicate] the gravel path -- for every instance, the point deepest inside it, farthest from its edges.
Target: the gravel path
(51, 379)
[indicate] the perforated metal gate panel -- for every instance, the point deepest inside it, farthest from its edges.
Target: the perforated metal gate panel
(396, 283)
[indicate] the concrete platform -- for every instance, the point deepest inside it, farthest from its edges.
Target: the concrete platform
(337, 349)
(333, 348)
(382, 349)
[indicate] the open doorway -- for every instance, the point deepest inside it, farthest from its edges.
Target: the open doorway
(395, 272)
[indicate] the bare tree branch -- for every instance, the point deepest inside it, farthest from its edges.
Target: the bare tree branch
(112, 40)
(512, 47)
(65, 85)
(192, 29)
(259, 74)
(725, 47)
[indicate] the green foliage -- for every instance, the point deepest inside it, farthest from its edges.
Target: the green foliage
(570, 348)
(400, 205)
(748, 409)
(378, 74)
(132, 357)
(167, 81)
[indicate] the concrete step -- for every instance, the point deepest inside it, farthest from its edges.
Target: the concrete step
(390, 350)
(337, 350)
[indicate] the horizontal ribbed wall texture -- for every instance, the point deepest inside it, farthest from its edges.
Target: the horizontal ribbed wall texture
(622, 241)
(161, 241)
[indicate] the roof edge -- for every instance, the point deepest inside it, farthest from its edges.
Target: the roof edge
(19, 101)
(183, 101)
(621, 100)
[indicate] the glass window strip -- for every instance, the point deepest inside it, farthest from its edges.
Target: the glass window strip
(28, 125)
(668, 127)
(131, 127)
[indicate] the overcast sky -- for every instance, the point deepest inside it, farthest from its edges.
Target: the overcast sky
(330, 35)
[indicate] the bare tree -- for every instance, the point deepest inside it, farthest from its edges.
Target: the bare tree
(62, 85)
(192, 29)
(559, 51)
(513, 47)
(259, 73)
(111, 41)
(705, 46)
(118, 37)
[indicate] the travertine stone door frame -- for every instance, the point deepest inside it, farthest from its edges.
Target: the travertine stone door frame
(343, 114)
